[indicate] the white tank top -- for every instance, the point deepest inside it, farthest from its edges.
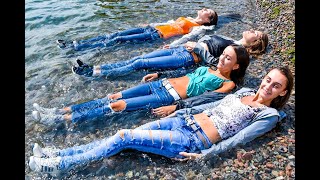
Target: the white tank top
(231, 115)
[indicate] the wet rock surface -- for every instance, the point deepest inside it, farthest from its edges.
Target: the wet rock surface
(271, 156)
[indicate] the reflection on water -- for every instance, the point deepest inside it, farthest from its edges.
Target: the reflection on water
(50, 82)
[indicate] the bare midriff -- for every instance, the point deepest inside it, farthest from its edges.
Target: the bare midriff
(196, 58)
(208, 127)
(180, 84)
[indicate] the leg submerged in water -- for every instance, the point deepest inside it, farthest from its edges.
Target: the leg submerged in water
(167, 143)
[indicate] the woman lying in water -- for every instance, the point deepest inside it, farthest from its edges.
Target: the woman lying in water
(204, 52)
(207, 129)
(206, 20)
(230, 71)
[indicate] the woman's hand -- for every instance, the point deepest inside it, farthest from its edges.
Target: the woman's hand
(150, 77)
(190, 45)
(189, 156)
(164, 110)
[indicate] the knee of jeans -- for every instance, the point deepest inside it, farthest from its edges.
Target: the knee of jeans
(140, 63)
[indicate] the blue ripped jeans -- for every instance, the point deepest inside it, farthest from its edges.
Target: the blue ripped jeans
(144, 96)
(130, 35)
(172, 58)
(166, 137)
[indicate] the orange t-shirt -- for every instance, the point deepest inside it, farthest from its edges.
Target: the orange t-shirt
(180, 27)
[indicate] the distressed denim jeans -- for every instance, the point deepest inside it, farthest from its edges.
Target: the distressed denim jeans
(166, 137)
(130, 35)
(172, 58)
(90, 110)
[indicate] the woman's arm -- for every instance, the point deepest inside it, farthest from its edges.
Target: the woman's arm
(197, 109)
(206, 97)
(207, 58)
(196, 33)
(226, 87)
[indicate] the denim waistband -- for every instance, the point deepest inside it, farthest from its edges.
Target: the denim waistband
(155, 34)
(197, 129)
(170, 89)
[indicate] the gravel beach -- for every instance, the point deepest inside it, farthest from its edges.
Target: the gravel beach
(271, 156)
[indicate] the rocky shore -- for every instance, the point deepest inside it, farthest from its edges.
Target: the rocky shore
(271, 156)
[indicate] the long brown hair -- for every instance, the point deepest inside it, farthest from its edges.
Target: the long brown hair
(280, 101)
(243, 60)
(213, 19)
(259, 46)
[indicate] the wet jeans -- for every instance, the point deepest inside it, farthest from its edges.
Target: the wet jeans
(130, 35)
(166, 137)
(172, 58)
(144, 96)
(90, 110)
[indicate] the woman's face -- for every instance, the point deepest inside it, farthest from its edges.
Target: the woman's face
(273, 85)
(251, 36)
(228, 60)
(205, 14)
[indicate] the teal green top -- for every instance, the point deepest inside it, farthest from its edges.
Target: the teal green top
(202, 80)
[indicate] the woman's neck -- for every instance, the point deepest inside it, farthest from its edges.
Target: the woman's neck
(257, 98)
(223, 73)
(243, 42)
(197, 20)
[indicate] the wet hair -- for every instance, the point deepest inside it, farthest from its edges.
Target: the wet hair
(280, 101)
(243, 60)
(259, 46)
(213, 19)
